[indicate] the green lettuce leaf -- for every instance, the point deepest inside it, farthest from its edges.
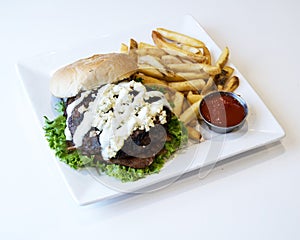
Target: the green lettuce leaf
(55, 135)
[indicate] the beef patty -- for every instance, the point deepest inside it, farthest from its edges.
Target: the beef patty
(138, 151)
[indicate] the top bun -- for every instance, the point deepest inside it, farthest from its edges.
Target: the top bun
(92, 72)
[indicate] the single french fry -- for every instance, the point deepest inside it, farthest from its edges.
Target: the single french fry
(145, 45)
(193, 123)
(189, 59)
(185, 55)
(185, 106)
(132, 48)
(124, 48)
(195, 67)
(207, 54)
(194, 134)
(191, 85)
(213, 70)
(133, 44)
(231, 84)
(190, 113)
(178, 102)
(192, 98)
(223, 58)
(150, 71)
(220, 87)
(190, 49)
(193, 75)
(186, 67)
(210, 86)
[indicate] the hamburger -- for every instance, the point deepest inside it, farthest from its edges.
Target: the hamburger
(109, 120)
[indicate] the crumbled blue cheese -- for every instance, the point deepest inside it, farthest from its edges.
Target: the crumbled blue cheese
(117, 111)
(123, 109)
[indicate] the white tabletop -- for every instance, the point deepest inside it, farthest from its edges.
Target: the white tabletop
(256, 196)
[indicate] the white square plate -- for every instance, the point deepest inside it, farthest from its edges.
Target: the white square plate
(88, 186)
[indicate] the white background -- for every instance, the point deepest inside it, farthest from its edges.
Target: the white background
(256, 196)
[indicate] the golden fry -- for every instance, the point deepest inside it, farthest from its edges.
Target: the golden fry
(223, 58)
(207, 54)
(220, 87)
(145, 45)
(210, 86)
(191, 85)
(213, 70)
(194, 134)
(192, 98)
(132, 48)
(190, 113)
(179, 37)
(185, 106)
(124, 48)
(193, 123)
(150, 71)
(231, 84)
(133, 44)
(186, 67)
(193, 75)
(190, 49)
(195, 67)
(178, 102)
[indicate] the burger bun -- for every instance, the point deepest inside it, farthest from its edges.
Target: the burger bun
(92, 72)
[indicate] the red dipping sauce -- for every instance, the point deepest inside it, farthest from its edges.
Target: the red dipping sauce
(222, 109)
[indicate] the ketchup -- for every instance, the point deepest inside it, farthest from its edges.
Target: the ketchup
(222, 110)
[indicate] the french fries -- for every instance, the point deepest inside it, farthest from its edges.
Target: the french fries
(172, 48)
(222, 60)
(150, 71)
(182, 66)
(192, 98)
(190, 113)
(178, 103)
(151, 51)
(124, 48)
(191, 85)
(147, 79)
(194, 134)
(231, 84)
(170, 59)
(209, 86)
(193, 75)
(179, 37)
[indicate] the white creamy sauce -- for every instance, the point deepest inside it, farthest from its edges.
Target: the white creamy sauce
(116, 112)
(70, 109)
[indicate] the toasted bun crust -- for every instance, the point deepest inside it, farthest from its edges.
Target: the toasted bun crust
(91, 72)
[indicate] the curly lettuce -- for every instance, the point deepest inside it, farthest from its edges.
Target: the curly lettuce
(55, 135)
